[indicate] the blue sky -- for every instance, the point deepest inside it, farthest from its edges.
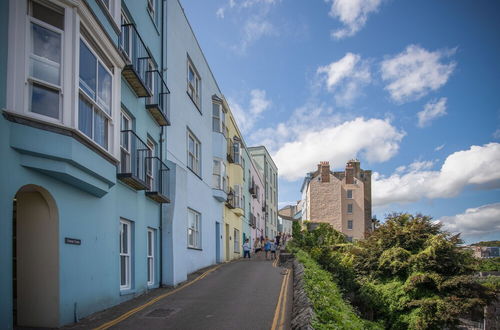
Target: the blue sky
(411, 88)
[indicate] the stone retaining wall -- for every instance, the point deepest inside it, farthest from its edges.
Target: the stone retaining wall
(303, 313)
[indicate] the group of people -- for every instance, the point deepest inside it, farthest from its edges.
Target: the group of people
(265, 245)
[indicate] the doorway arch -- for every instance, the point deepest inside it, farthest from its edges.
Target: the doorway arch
(35, 258)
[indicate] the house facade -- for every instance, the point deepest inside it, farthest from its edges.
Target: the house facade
(269, 172)
(118, 175)
(84, 175)
(342, 199)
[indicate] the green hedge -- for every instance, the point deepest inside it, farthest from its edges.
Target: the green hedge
(332, 311)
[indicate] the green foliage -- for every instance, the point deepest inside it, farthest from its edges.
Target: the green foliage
(296, 230)
(408, 274)
(489, 265)
(332, 312)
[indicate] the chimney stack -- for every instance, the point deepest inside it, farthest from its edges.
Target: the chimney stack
(324, 168)
(349, 173)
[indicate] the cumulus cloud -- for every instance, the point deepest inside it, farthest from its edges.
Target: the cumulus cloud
(416, 71)
(345, 77)
(353, 14)
(254, 29)
(496, 134)
(374, 139)
(432, 110)
(474, 221)
(476, 167)
(247, 117)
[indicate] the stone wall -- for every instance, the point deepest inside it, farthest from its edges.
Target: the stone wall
(302, 313)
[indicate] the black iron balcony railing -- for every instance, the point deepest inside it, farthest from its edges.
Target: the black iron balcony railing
(230, 150)
(252, 188)
(133, 154)
(135, 72)
(157, 173)
(157, 103)
(253, 220)
(230, 203)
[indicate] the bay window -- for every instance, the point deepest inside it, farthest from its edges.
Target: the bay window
(94, 106)
(218, 119)
(219, 175)
(46, 30)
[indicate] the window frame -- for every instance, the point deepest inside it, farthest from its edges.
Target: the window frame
(126, 149)
(196, 155)
(351, 223)
(219, 179)
(127, 255)
(196, 88)
(349, 192)
(236, 239)
(94, 103)
(350, 208)
(28, 55)
(150, 253)
(197, 230)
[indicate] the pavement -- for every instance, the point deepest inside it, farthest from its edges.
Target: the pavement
(243, 294)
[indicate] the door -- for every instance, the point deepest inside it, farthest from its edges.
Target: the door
(36, 260)
(218, 238)
(227, 242)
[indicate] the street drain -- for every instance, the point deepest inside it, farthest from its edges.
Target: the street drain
(160, 312)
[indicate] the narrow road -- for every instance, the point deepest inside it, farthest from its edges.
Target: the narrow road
(239, 295)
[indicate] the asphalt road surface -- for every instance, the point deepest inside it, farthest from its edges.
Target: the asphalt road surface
(238, 295)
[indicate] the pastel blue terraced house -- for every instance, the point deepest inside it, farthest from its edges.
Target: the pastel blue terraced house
(83, 149)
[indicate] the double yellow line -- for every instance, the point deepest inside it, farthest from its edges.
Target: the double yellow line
(152, 301)
(279, 313)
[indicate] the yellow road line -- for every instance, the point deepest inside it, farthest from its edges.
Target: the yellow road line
(283, 309)
(152, 301)
(278, 306)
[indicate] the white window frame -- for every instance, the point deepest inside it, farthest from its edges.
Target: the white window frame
(94, 103)
(127, 254)
(347, 193)
(238, 196)
(31, 80)
(196, 230)
(150, 170)
(236, 145)
(151, 255)
(218, 118)
(219, 174)
(195, 155)
(194, 87)
(126, 149)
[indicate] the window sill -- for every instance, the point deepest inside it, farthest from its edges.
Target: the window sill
(194, 248)
(126, 292)
(195, 104)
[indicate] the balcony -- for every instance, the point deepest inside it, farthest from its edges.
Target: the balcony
(253, 220)
(157, 178)
(133, 154)
(252, 189)
(157, 103)
(230, 202)
(136, 70)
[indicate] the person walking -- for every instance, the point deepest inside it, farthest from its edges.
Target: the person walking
(246, 249)
(267, 248)
(257, 247)
(278, 239)
(273, 249)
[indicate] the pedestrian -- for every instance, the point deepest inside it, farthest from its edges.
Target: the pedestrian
(267, 248)
(278, 238)
(273, 249)
(246, 249)
(257, 246)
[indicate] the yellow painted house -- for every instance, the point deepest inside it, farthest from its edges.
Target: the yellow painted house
(234, 208)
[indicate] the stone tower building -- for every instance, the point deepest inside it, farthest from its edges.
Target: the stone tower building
(342, 199)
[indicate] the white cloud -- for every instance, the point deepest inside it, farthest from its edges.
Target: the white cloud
(374, 139)
(474, 221)
(439, 147)
(345, 77)
(254, 29)
(496, 134)
(220, 12)
(477, 167)
(415, 72)
(247, 118)
(432, 110)
(353, 14)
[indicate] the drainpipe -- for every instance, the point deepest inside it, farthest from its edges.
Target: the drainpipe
(160, 228)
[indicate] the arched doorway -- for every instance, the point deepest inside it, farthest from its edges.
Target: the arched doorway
(35, 258)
